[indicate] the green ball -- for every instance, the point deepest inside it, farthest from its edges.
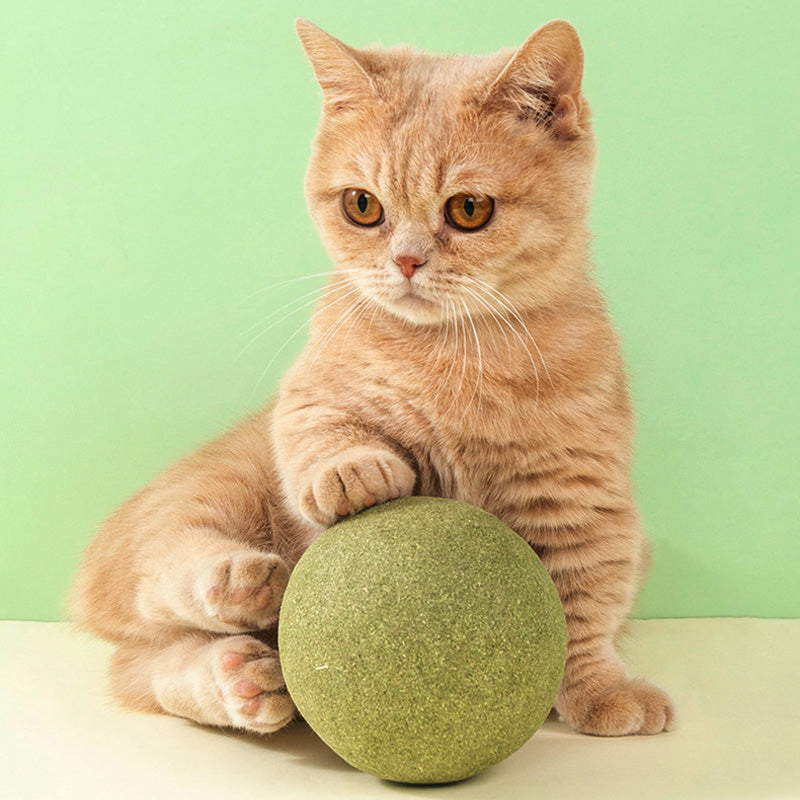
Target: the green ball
(422, 640)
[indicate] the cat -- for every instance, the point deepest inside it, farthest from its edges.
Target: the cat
(462, 349)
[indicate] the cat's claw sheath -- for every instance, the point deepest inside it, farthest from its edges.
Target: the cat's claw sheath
(356, 479)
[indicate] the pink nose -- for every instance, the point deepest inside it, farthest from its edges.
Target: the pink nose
(408, 264)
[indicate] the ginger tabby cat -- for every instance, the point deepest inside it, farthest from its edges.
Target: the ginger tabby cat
(461, 349)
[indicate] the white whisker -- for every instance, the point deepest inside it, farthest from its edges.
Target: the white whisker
(354, 317)
(292, 281)
(375, 310)
(290, 303)
(446, 340)
(285, 344)
(317, 293)
(295, 334)
(502, 298)
(513, 330)
(479, 380)
(451, 310)
(335, 326)
(462, 326)
(492, 311)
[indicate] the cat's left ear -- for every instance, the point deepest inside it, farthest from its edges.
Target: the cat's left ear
(340, 73)
(542, 81)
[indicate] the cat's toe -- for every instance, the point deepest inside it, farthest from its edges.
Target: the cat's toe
(358, 478)
(243, 590)
(635, 707)
(251, 686)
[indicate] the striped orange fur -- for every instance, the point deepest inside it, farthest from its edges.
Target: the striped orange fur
(474, 364)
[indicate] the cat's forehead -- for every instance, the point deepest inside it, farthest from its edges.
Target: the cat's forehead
(414, 80)
(422, 138)
(415, 169)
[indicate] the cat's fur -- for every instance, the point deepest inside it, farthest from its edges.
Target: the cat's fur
(491, 375)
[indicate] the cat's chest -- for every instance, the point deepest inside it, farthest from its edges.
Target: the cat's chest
(469, 441)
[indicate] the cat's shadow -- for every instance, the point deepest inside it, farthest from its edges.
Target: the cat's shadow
(297, 741)
(302, 745)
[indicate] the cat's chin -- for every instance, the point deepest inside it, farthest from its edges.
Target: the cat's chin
(416, 310)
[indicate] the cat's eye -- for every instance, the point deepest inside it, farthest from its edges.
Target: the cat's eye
(362, 207)
(468, 212)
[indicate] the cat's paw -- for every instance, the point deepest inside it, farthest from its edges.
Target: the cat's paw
(634, 707)
(354, 480)
(242, 591)
(250, 684)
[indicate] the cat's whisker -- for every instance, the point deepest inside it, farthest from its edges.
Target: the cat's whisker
(294, 335)
(323, 339)
(447, 320)
(272, 360)
(443, 349)
(292, 281)
(479, 378)
(317, 294)
(511, 327)
(352, 290)
(463, 338)
(313, 293)
(441, 346)
(451, 311)
(493, 312)
(502, 298)
(362, 308)
(375, 310)
(336, 325)
(356, 314)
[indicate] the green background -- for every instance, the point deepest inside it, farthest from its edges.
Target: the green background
(151, 216)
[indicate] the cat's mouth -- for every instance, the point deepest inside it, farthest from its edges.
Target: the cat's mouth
(415, 298)
(413, 306)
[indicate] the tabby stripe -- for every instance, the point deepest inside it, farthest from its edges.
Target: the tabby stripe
(571, 595)
(575, 674)
(582, 559)
(595, 565)
(584, 639)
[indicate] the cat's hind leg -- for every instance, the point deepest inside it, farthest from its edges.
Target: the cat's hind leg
(211, 582)
(228, 681)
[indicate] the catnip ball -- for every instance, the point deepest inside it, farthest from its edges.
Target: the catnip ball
(422, 640)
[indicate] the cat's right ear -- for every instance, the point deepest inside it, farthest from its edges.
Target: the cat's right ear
(542, 81)
(340, 73)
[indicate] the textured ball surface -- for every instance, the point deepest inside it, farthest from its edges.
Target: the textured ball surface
(422, 640)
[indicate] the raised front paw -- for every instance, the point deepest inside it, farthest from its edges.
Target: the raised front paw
(242, 591)
(250, 684)
(355, 479)
(635, 706)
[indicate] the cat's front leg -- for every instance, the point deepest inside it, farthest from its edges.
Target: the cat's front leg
(333, 463)
(594, 556)
(355, 478)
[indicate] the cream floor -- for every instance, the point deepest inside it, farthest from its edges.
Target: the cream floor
(735, 683)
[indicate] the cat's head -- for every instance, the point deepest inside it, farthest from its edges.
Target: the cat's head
(452, 185)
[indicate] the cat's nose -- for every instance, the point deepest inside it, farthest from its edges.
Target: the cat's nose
(408, 264)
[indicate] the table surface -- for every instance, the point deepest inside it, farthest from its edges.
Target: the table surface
(734, 681)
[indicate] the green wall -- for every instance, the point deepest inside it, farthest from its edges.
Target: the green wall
(151, 217)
